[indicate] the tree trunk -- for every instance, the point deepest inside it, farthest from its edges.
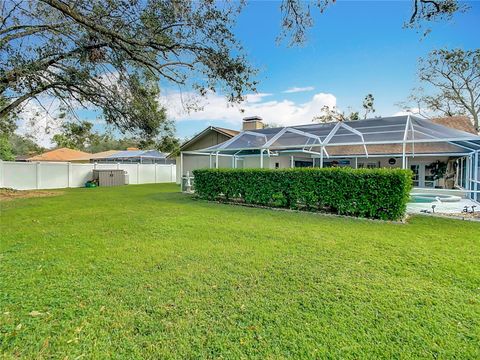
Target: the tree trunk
(475, 122)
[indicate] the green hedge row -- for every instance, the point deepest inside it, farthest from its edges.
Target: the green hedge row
(369, 193)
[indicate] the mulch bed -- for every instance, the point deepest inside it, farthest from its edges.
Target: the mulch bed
(7, 194)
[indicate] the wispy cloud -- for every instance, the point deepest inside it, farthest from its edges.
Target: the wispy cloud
(296, 89)
(39, 120)
(215, 108)
(42, 124)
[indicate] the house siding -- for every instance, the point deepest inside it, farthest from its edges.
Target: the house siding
(191, 162)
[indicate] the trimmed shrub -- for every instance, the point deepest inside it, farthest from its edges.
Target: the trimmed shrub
(370, 193)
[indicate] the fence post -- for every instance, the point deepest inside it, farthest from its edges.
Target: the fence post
(2, 172)
(38, 174)
(138, 173)
(171, 172)
(155, 167)
(69, 174)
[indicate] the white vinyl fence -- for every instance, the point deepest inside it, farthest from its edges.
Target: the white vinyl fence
(55, 175)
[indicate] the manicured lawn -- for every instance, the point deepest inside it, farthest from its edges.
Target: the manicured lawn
(146, 272)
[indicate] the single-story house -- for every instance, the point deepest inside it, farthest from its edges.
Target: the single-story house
(103, 155)
(442, 153)
(212, 135)
(62, 154)
(24, 158)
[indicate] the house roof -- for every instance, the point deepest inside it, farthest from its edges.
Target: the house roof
(380, 135)
(131, 154)
(62, 154)
(395, 149)
(104, 154)
(461, 122)
(227, 132)
(23, 157)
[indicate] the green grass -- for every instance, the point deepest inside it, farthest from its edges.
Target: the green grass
(146, 272)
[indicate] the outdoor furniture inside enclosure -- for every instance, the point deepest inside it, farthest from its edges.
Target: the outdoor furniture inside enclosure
(405, 137)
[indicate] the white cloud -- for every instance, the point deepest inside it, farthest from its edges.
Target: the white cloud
(296, 89)
(255, 98)
(40, 121)
(42, 124)
(215, 108)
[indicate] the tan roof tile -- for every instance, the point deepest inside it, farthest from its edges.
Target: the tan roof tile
(460, 122)
(62, 154)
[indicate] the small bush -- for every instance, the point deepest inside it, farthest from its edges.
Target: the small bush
(370, 193)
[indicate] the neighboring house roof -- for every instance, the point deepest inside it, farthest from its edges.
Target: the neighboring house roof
(456, 122)
(227, 132)
(147, 154)
(104, 154)
(62, 154)
(23, 157)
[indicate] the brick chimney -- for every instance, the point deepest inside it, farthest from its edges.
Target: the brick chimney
(253, 123)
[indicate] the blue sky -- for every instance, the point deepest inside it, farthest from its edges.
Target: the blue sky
(355, 48)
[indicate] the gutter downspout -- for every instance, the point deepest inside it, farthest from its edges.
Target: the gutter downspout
(181, 171)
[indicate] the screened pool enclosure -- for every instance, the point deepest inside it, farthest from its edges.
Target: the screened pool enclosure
(401, 141)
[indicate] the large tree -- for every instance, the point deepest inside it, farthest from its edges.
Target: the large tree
(24, 145)
(368, 104)
(112, 54)
(297, 15)
(332, 114)
(76, 135)
(81, 136)
(452, 85)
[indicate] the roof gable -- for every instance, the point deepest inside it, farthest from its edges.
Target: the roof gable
(226, 132)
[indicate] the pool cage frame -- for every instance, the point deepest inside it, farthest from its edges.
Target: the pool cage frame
(314, 144)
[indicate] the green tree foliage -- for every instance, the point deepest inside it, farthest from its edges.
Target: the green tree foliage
(333, 114)
(111, 55)
(452, 85)
(108, 142)
(368, 105)
(24, 145)
(80, 136)
(427, 11)
(167, 144)
(76, 136)
(7, 121)
(7, 127)
(455, 78)
(297, 15)
(371, 193)
(6, 152)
